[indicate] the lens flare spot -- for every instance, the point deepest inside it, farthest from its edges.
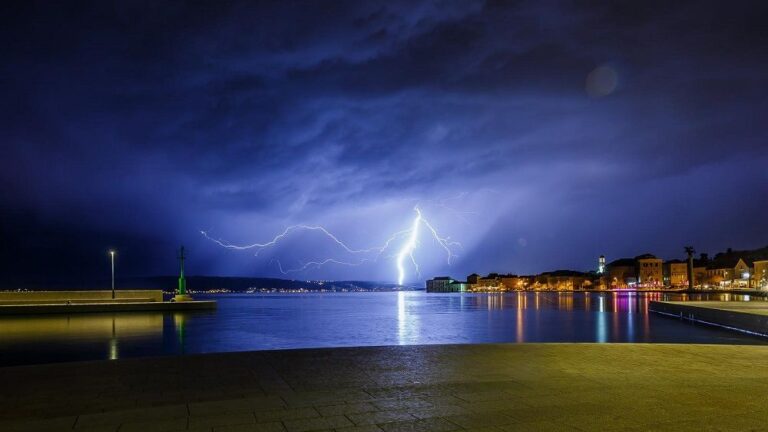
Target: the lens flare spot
(602, 81)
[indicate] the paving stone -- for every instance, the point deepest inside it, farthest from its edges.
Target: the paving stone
(393, 393)
(137, 414)
(235, 405)
(221, 420)
(486, 429)
(155, 425)
(318, 423)
(538, 426)
(308, 399)
(599, 422)
(365, 428)
(432, 424)
(440, 400)
(719, 423)
(379, 417)
(476, 387)
(198, 428)
(102, 428)
(401, 404)
(481, 420)
(59, 423)
(483, 396)
(439, 411)
(353, 408)
(259, 427)
(286, 414)
(492, 405)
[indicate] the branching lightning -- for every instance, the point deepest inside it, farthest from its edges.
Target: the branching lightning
(277, 238)
(371, 254)
(408, 248)
(318, 264)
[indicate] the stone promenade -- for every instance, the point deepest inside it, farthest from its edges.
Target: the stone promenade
(522, 387)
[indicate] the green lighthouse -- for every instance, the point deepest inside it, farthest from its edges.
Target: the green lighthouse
(181, 291)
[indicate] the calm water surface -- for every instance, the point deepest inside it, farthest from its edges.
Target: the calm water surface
(276, 321)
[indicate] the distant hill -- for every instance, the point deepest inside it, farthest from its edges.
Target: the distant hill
(208, 283)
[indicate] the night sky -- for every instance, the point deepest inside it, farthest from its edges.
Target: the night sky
(537, 134)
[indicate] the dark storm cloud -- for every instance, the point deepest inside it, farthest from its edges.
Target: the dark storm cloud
(156, 120)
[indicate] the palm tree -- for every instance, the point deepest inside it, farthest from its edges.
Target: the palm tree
(690, 251)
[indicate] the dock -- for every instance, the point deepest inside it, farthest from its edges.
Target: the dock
(75, 302)
(746, 317)
(59, 308)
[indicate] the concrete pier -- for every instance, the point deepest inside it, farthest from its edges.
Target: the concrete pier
(68, 302)
(117, 306)
(500, 387)
(89, 296)
(747, 317)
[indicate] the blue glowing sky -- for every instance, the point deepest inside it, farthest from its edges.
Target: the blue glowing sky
(537, 134)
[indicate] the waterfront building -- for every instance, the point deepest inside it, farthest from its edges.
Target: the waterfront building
(515, 283)
(563, 280)
(492, 282)
(729, 271)
(650, 273)
(472, 281)
(621, 273)
(458, 286)
(644, 271)
(760, 274)
(738, 269)
(446, 284)
(439, 284)
(676, 273)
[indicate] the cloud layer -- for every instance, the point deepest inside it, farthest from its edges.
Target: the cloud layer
(538, 134)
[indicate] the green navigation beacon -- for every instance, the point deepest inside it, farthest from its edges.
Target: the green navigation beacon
(181, 292)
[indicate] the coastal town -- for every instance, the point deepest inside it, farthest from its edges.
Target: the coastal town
(732, 269)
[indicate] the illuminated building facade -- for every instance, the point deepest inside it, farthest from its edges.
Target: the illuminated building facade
(446, 284)
(650, 273)
(492, 282)
(676, 274)
(729, 271)
(643, 271)
(621, 273)
(564, 280)
(760, 274)
(737, 269)
(439, 284)
(515, 283)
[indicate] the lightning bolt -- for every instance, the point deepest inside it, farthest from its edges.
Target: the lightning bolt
(277, 238)
(406, 251)
(408, 248)
(443, 203)
(318, 264)
(446, 243)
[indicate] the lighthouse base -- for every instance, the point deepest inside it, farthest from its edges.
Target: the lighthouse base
(182, 298)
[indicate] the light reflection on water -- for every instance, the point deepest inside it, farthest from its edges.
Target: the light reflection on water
(274, 321)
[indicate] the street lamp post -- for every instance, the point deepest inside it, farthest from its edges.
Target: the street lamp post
(112, 257)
